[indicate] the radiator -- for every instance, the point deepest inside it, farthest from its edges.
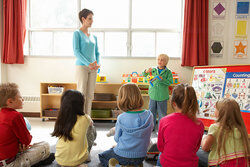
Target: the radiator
(31, 104)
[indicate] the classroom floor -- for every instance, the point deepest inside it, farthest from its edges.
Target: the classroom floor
(41, 132)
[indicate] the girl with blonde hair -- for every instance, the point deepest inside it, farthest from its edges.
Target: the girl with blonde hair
(132, 130)
(227, 138)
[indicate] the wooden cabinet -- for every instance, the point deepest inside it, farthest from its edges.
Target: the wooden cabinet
(110, 105)
(110, 88)
(50, 103)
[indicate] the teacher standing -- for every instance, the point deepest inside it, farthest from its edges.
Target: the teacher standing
(87, 58)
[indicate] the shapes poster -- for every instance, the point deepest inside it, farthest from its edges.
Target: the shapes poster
(217, 48)
(241, 28)
(237, 86)
(219, 10)
(240, 49)
(242, 9)
(208, 84)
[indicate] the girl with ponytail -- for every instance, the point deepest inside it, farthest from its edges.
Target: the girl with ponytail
(180, 133)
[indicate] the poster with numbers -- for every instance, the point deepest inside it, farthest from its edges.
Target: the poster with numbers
(212, 83)
(237, 86)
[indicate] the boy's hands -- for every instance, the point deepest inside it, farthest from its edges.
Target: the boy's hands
(23, 147)
(149, 70)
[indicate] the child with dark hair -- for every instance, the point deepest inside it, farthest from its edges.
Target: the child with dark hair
(180, 133)
(73, 146)
(132, 130)
(227, 138)
(15, 139)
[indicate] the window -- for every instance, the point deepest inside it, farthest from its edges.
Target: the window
(124, 28)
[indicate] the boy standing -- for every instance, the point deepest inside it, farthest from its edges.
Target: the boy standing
(15, 149)
(161, 78)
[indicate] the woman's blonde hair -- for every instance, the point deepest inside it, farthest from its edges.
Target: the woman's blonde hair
(229, 117)
(129, 97)
(165, 56)
(7, 91)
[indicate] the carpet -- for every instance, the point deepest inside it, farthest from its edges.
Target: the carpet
(41, 132)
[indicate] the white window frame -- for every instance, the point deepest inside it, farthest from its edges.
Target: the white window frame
(129, 31)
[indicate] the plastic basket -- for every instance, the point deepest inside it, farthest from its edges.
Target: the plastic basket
(55, 90)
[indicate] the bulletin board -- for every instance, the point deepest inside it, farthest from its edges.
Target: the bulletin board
(212, 83)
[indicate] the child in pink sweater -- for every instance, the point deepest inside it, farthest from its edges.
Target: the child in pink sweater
(180, 133)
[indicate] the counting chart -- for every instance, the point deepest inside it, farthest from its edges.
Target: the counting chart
(212, 83)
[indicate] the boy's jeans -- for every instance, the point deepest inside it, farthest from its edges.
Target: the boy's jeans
(158, 161)
(106, 155)
(159, 107)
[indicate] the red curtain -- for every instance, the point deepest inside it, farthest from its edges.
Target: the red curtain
(14, 14)
(195, 33)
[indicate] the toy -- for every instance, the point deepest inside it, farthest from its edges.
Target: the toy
(98, 76)
(124, 78)
(129, 78)
(134, 77)
(153, 152)
(154, 78)
(176, 78)
(140, 79)
(103, 78)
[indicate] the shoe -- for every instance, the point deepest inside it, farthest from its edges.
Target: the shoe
(47, 161)
(111, 132)
(88, 159)
(113, 162)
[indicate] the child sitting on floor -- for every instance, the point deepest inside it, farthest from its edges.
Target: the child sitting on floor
(180, 133)
(132, 131)
(71, 127)
(227, 138)
(15, 148)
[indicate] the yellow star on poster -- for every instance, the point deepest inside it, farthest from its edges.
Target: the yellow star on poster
(240, 48)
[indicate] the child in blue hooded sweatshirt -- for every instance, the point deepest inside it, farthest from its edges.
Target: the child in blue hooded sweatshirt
(132, 131)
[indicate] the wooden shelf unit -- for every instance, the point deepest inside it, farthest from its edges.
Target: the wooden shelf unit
(53, 100)
(49, 101)
(112, 88)
(107, 105)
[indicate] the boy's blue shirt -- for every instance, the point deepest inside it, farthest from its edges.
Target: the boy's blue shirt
(159, 91)
(160, 70)
(132, 134)
(85, 48)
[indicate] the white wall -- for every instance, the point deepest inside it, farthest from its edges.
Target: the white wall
(44, 69)
(36, 70)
